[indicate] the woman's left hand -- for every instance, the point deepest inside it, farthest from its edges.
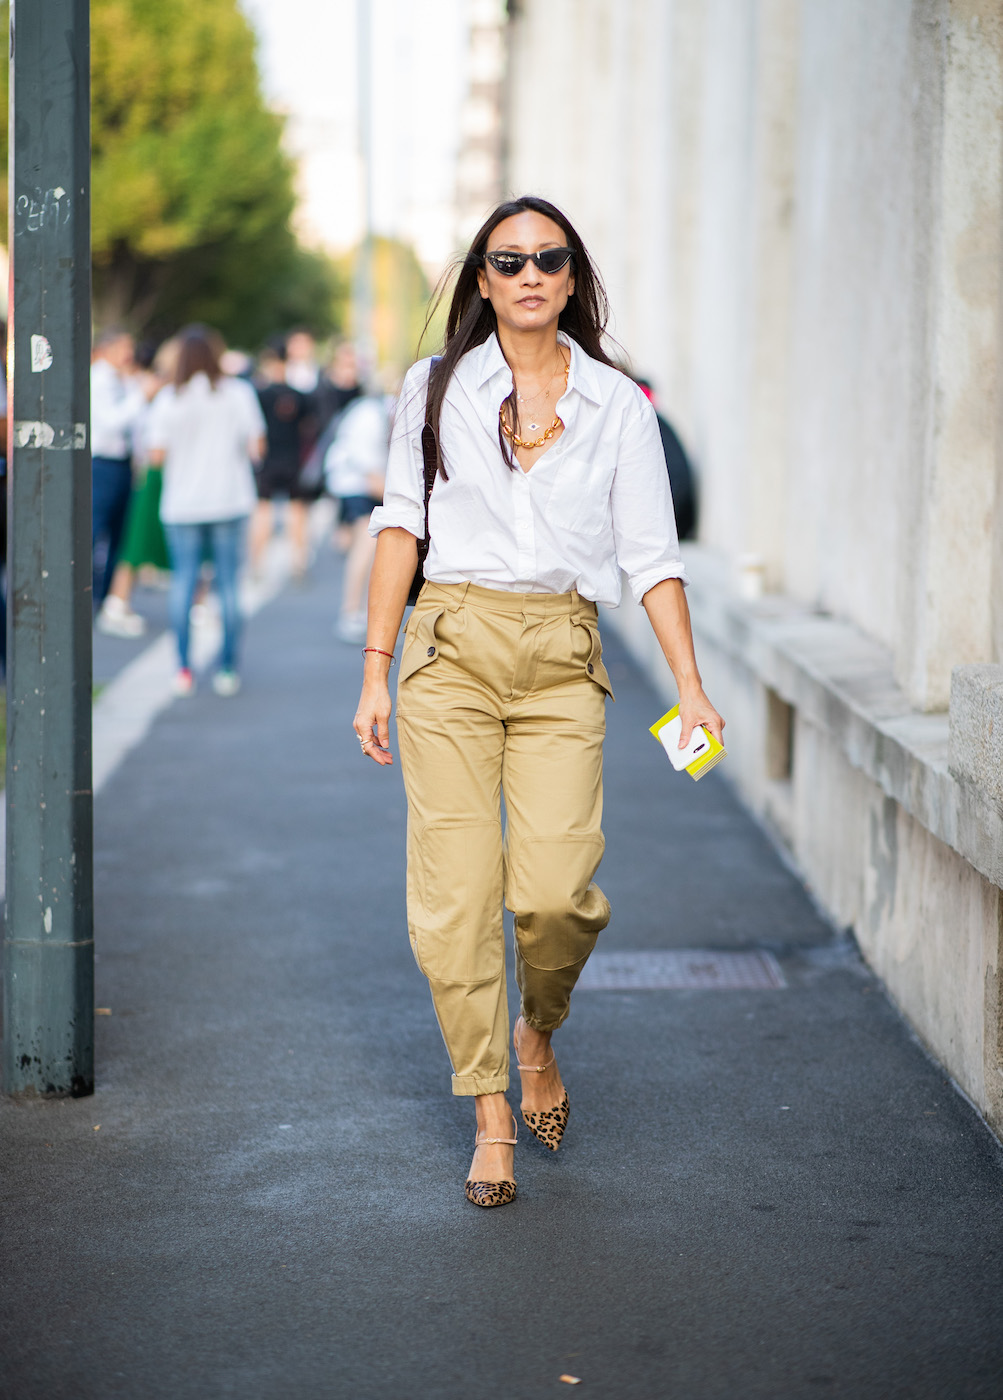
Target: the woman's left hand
(669, 616)
(694, 709)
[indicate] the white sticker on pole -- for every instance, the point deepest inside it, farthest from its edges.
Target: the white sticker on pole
(41, 354)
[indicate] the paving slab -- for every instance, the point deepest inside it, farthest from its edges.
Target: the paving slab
(762, 1194)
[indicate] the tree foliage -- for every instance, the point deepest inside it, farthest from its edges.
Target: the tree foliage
(192, 193)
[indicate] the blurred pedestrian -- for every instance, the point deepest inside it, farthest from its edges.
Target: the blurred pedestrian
(355, 466)
(340, 384)
(338, 387)
(302, 370)
(677, 464)
(144, 545)
(287, 414)
(550, 482)
(206, 430)
(118, 402)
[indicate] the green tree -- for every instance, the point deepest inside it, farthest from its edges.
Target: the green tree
(192, 192)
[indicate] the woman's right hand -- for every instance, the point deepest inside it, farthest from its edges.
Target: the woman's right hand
(372, 718)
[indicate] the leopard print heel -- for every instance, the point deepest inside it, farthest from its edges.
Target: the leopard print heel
(491, 1193)
(546, 1124)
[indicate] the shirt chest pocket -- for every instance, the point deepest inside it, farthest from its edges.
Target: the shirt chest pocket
(579, 497)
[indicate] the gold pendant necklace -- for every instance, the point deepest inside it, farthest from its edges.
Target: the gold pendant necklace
(516, 440)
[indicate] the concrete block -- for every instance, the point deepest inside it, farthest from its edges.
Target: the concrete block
(975, 750)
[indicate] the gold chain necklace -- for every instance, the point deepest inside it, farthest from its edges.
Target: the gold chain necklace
(542, 393)
(514, 437)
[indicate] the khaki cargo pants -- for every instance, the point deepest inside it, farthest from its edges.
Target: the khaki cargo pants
(501, 693)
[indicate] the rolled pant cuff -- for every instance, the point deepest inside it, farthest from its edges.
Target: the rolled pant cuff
(466, 1084)
(537, 1025)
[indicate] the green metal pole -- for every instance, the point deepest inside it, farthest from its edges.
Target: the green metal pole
(49, 935)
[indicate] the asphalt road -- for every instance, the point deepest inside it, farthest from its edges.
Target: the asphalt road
(762, 1195)
(113, 654)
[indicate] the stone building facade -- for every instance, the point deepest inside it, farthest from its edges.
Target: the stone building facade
(480, 158)
(797, 206)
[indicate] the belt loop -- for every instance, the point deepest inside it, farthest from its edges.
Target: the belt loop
(458, 601)
(576, 607)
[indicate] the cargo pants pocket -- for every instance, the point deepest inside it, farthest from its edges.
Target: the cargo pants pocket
(421, 646)
(587, 645)
(454, 898)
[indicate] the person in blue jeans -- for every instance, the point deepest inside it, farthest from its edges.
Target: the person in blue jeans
(207, 430)
(223, 542)
(118, 402)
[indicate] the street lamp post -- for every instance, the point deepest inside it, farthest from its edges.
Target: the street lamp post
(49, 946)
(362, 292)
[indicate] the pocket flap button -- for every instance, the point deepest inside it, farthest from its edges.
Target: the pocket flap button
(591, 669)
(431, 652)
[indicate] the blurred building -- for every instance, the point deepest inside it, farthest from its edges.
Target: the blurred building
(479, 168)
(798, 208)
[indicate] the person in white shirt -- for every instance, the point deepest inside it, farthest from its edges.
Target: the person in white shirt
(206, 430)
(354, 468)
(550, 481)
(302, 370)
(117, 406)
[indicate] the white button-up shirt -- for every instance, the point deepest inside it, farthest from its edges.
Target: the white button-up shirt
(596, 502)
(207, 434)
(117, 406)
(359, 450)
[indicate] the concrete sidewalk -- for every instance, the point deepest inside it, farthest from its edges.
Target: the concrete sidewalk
(762, 1194)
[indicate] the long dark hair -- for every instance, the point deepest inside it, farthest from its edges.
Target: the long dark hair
(199, 353)
(472, 319)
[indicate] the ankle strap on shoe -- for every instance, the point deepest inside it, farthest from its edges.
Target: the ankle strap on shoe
(509, 1142)
(537, 1069)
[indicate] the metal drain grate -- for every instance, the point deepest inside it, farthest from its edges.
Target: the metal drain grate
(683, 970)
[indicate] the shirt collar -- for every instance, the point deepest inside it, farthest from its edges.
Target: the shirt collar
(581, 374)
(487, 360)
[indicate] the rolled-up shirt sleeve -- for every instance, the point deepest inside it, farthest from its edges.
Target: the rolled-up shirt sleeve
(403, 505)
(644, 524)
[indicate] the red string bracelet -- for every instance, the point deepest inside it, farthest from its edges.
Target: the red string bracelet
(380, 652)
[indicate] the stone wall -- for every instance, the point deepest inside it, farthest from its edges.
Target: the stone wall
(798, 209)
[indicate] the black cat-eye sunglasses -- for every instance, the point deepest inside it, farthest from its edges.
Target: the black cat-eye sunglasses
(549, 260)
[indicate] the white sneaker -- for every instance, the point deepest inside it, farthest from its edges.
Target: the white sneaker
(226, 683)
(183, 683)
(117, 619)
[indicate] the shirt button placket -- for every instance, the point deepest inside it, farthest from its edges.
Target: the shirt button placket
(525, 535)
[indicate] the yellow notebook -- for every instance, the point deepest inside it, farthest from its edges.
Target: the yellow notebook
(701, 754)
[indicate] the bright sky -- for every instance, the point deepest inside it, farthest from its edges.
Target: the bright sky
(308, 60)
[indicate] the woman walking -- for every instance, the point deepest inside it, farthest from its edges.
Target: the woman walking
(550, 481)
(206, 429)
